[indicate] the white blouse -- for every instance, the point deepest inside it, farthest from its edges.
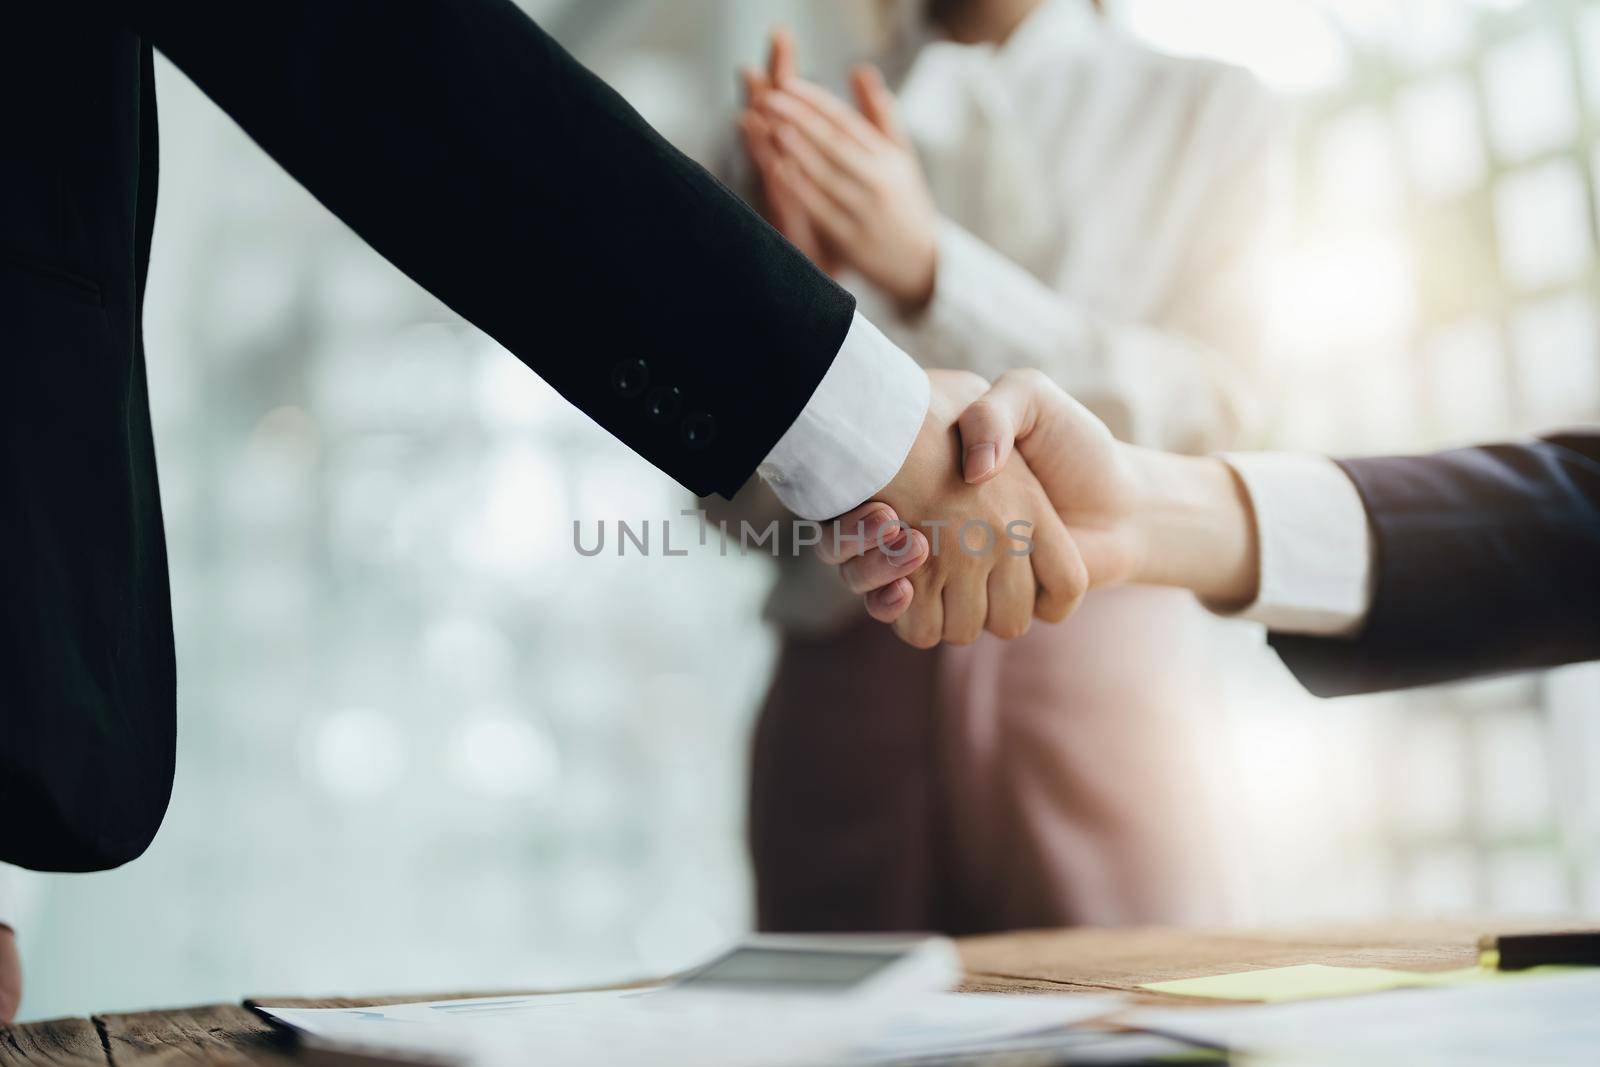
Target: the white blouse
(1106, 210)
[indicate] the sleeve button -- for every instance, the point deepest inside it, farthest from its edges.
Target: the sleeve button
(698, 431)
(630, 377)
(665, 403)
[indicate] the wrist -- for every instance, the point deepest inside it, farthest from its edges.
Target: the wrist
(933, 466)
(1195, 527)
(916, 275)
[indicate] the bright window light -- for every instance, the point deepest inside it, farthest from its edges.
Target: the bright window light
(1439, 130)
(1466, 369)
(1356, 293)
(1542, 223)
(1589, 44)
(1528, 82)
(355, 753)
(1557, 344)
(1289, 44)
(1431, 32)
(502, 754)
(1358, 174)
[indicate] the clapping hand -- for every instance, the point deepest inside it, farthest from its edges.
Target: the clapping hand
(779, 198)
(843, 183)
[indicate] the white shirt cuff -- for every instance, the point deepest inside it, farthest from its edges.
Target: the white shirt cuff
(855, 432)
(8, 897)
(1314, 542)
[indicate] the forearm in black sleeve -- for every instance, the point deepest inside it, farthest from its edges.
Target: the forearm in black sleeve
(1487, 560)
(480, 158)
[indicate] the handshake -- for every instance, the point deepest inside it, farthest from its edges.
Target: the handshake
(1015, 501)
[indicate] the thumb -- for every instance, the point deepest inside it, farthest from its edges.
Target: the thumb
(991, 424)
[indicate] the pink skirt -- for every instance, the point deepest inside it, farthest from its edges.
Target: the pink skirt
(1061, 779)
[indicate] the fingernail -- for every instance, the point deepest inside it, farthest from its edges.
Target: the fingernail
(980, 461)
(910, 549)
(895, 593)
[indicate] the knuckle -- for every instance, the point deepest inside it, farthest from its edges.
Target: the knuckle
(1009, 628)
(980, 410)
(915, 629)
(1078, 580)
(1078, 598)
(1050, 607)
(967, 379)
(931, 576)
(1027, 380)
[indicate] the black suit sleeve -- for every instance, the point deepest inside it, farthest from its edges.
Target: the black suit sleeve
(467, 147)
(1487, 561)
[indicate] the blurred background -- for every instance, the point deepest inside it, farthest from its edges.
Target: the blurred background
(424, 745)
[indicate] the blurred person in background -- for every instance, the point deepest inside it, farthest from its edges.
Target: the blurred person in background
(1044, 193)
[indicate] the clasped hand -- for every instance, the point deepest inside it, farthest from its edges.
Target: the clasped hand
(945, 558)
(1106, 513)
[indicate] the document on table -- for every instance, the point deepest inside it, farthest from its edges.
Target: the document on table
(1313, 980)
(644, 1025)
(1550, 1020)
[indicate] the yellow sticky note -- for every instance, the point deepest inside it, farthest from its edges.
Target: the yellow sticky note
(1312, 980)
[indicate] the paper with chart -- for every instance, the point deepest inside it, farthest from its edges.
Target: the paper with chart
(623, 1026)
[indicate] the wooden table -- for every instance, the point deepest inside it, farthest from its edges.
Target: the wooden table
(1055, 961)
